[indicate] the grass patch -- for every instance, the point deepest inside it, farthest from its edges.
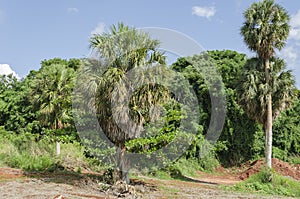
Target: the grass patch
(280, 185)
(180, 169)
(160, 174)
(169, 191)
(177, 170)
(294, 159)
(187, 167)
(29, 162)
(27, 155)
(24, 152)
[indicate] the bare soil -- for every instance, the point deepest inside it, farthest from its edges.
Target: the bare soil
(17, 184)
(279, 166)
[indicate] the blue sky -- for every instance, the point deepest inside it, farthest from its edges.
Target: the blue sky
(34, 30)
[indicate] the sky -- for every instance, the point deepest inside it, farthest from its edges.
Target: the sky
(34, 30)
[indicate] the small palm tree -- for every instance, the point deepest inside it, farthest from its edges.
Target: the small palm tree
(51, 95)
(265, 29)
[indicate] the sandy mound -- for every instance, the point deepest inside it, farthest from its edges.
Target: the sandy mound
(279, 166)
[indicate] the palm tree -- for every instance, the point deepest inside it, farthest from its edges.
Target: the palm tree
(253, 90)
(123, 52)
(266, 29)
(51, 95)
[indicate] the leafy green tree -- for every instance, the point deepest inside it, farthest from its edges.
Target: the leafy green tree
(265, 29)
(240, 133)
(7, 86)
(287, 132)
(15, 108)
(241, 136)
(51, 95)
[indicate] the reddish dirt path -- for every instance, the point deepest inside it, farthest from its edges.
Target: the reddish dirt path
(9, 173)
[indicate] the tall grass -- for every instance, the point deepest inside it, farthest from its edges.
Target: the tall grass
(21, 151)
(24, 152)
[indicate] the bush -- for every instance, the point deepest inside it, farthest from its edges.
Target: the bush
(187, 167)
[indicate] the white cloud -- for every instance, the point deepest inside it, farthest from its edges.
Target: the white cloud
(73, 10)
(5, 69)
(204, 11)
(295, 33)
(295, 20)
(295, 26)
(290, 55)
(99, 29)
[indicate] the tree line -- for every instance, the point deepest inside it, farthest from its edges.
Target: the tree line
(262, 101)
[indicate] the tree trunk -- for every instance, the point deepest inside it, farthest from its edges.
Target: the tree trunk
(269, 119)
(123, 166)
(269, 133)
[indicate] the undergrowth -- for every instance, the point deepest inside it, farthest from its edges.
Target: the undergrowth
(183, 168)
(24, 152)
(280, 185)
(294, 159)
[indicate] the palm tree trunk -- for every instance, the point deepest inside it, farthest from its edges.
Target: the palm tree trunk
(269, 133)
(123, 166)
(57, 142)
(269, 121)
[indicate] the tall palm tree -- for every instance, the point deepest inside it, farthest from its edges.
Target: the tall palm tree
(123, 52)
(253, 88)
(51, 95)
(266, 29)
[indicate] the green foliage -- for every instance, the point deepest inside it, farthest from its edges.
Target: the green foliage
(185, 167)
(287, 132)
(28, 162)
(122, 49)
(23, 151)
(294, 159)
(27, 109)
(180, 169)
(51, 95)
(16, 113)
(241, 138)
(253, 88)
(209, 162)
(280, 185)
(159, 136)
(50, 92)
(266, 28)
(73, 63)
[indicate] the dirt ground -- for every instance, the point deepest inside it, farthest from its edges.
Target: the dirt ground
(16, 184)
(279, 166)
